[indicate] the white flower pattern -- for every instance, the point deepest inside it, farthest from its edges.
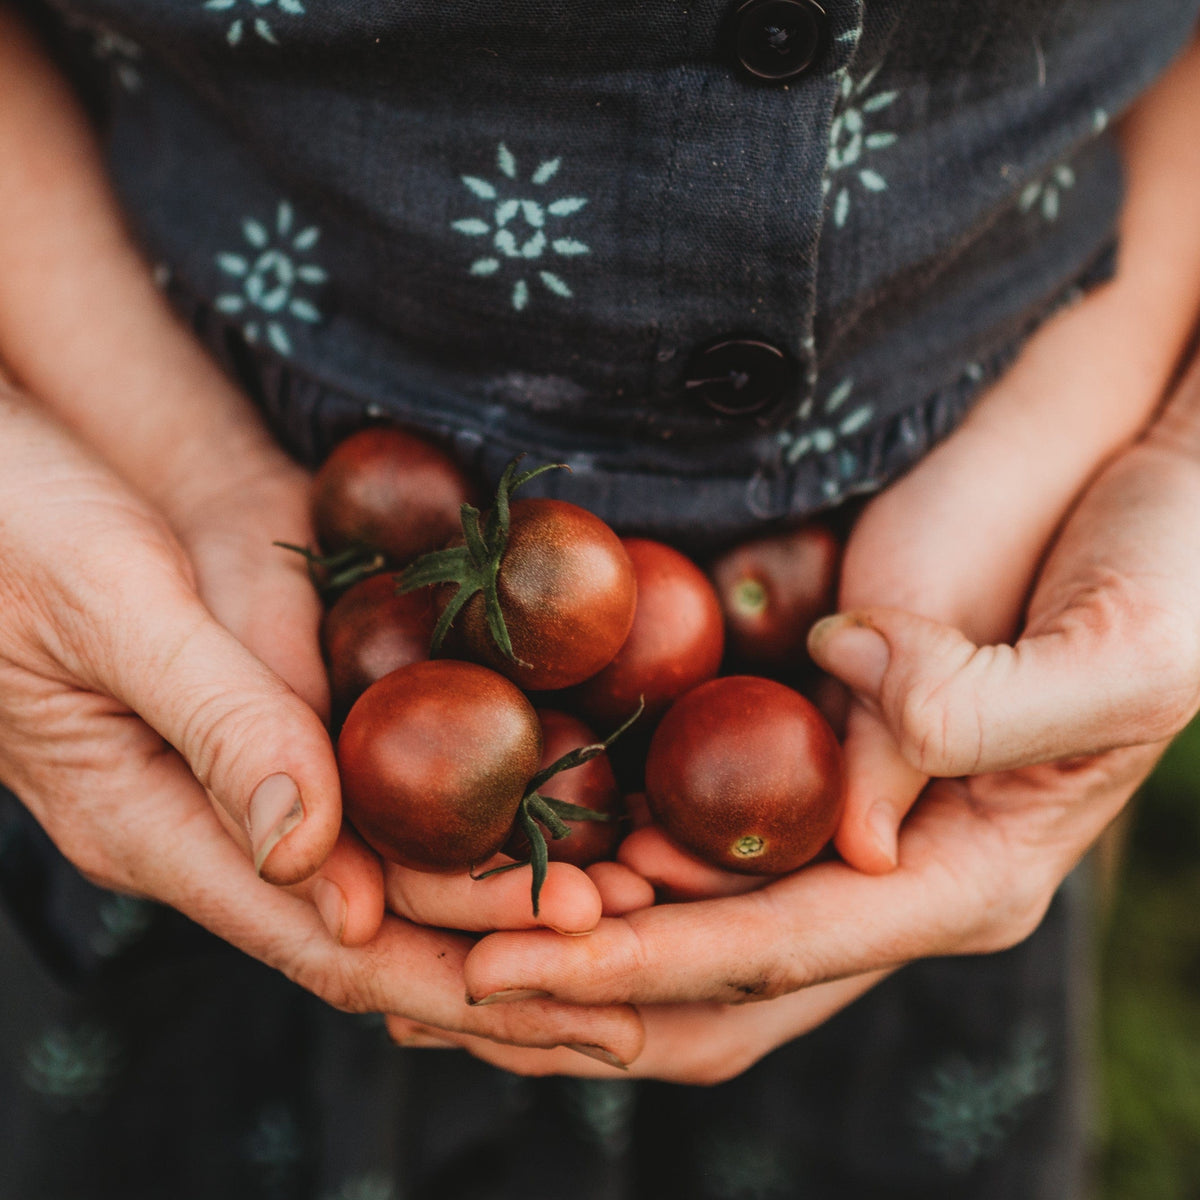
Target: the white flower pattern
(526, 211)
(1046, 193)
(258, 25)
(73, 1067)
(270, 277)
(841, 419)
(372, 1186)
(851, 142)
(965, 1110)
(123, 56)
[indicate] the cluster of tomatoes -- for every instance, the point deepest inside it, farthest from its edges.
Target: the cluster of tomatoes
(482, 663)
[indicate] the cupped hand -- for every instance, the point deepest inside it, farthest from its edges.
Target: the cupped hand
(1042, 744)
(126, 705)
(1050, 736)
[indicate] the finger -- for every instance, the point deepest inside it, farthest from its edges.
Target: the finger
(125, 622)
(348, 891)
(174, 848)
(881, 787)
(259, 749)
(695, 1044)
(568, 903)
(260, 593)
(825, 921)
(674, 873)
(1111, 658)
(413, 1036)
(621, 890)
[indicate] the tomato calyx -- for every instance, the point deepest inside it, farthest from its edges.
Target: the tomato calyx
(474, 566)
(536, 810)
(332, 574)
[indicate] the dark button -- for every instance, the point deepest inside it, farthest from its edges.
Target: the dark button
(738, 377)
(777, 39)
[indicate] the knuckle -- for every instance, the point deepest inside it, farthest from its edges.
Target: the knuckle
(1012, 910)
(332, 985)
(936, 733)
(1161, 653)
(220, 739)
(710, 1067)
(1169, 657)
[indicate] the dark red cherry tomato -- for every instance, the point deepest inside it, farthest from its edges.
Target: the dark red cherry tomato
(389, 491)
(772, 590)
(567, 591)
(370, 631)
(747, 775)
(590, 785)
(434, 759)
(675, 643)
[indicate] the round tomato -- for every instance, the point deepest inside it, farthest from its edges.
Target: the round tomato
(567, 591)
(434, 760)
(370, 631)
(675, 643)
(772, 589)
(747, 775)
(389, 491)
(589, 785)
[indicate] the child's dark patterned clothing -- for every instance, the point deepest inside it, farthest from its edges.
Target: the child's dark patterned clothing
(734, 262)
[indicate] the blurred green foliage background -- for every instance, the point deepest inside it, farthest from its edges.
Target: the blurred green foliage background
(1150, 992)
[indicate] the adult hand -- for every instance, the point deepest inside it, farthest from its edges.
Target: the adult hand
(125, 705)
(1107, 669)
(201, 633)
(1053, 734)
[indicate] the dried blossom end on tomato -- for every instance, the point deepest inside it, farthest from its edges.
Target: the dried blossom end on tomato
(747, 775)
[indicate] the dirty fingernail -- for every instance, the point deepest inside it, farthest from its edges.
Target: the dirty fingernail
(275, 810)
(856, 653)
(331, 904)
(507, 996)
(599, 1053)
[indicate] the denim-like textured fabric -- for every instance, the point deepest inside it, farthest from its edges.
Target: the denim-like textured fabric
(141, 1058)
(513, 223)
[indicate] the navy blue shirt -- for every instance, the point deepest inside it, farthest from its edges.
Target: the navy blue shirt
(524, 225)
(732, 261)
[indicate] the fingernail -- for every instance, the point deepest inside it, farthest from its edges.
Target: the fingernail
(571, 932)
(599, 1053)
(331, 904)
(883, 832)
(852, 650)
(275, 810)
(507, 996)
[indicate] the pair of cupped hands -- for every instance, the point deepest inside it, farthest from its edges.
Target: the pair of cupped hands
(1019, 628)
(162, 699)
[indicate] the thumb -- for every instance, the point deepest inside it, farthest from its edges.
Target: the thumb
(259, 749)
(1077, 686)
(105, 602)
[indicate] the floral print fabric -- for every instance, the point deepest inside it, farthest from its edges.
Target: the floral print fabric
(142, 1058)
